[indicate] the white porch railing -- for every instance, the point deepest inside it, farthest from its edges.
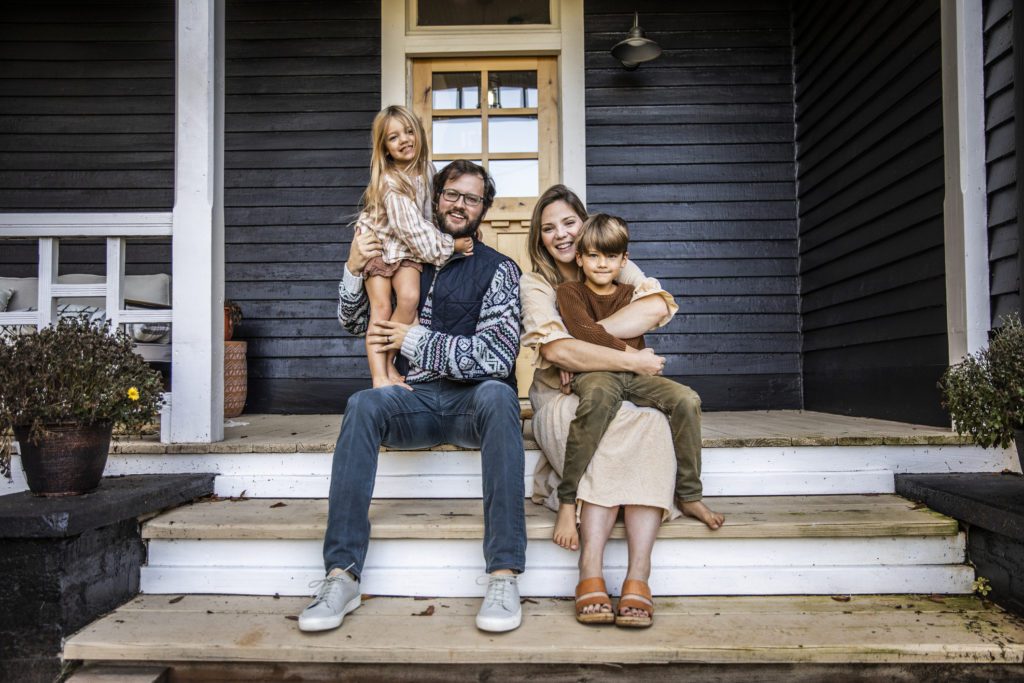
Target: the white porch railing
(115, 228)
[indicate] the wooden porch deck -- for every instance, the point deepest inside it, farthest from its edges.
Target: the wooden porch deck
(728, 429)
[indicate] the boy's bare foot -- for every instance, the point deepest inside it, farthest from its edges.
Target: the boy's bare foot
(565, 527)
(698, 510)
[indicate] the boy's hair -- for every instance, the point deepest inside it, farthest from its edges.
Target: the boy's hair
(603, 233)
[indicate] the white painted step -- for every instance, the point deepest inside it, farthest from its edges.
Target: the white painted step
(769, 546)
(455, 473)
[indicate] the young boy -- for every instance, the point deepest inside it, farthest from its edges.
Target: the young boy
(601, 252)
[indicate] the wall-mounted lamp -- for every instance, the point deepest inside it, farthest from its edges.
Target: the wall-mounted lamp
(635, 49)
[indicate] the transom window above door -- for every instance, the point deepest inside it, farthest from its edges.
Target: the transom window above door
(481, 12)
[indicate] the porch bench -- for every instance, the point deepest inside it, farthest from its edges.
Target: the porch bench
(152, 339)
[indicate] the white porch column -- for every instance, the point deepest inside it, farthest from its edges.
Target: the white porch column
(197, 408)
(965, 208)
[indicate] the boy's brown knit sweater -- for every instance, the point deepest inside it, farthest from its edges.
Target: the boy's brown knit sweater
(581, 308)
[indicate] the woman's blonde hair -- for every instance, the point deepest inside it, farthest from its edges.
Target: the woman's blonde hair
(542, 261)
(382, 166)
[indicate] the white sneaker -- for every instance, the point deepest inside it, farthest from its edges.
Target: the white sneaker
(336, 596)
(500, 610)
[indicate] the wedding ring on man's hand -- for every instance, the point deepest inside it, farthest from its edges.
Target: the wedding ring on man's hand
(389, 339)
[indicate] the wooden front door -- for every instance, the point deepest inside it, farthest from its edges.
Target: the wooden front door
(502, 113)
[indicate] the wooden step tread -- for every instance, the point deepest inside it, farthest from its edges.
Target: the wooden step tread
(740, 429)
(790, 629)
(746, 517)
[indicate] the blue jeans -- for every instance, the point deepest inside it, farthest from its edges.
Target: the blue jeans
(484, 416)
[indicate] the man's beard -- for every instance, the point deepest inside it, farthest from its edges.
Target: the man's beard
(468, 230)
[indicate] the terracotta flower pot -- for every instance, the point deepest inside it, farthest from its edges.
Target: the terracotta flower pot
(68, 460)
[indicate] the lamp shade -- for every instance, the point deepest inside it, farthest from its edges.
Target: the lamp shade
(635, 49)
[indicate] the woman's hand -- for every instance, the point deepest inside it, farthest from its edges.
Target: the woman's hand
(386, 335)
(565, 381)
(365, 246)
(645, 362)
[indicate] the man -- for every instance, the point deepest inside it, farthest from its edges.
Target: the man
(459, 388)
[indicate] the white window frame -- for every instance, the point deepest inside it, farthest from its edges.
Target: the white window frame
(402, 42)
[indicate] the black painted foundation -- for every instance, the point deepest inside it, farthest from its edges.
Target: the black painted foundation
(991, 507)
(66, 561)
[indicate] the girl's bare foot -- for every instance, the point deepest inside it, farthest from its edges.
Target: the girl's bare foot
(394, 375)
(698, 510)
(565, 527)
(390, 380)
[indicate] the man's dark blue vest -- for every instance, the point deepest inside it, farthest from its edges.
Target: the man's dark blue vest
(458, 296)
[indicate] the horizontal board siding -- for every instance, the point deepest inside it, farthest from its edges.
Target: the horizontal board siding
(86, 121)
(870, 185)
(1001, 159)
(695, 151)
(303, 85)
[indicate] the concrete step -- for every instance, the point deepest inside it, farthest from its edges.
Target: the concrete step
(256, 638)
(769, 545)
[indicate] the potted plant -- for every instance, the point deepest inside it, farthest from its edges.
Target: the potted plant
(985, 392)
(232, 316)
(62, 390)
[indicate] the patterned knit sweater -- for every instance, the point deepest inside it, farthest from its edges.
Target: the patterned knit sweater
(490, 352)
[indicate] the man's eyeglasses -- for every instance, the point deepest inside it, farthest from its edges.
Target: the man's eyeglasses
(470, 199)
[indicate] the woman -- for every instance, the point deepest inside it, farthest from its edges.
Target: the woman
(634, 468)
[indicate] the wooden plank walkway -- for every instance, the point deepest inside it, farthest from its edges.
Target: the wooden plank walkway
(741, 429)
(786, 629)
(747, 517)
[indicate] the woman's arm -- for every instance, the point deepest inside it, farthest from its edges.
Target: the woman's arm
(637, 318)
(580, 356)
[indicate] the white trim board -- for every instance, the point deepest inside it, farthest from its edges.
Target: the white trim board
(400, 43)
(968, 317)
(788, 470)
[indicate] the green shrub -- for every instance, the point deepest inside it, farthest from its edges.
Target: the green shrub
(985, 392)
(75, 372)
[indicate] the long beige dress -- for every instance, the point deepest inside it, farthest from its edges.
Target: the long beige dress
(635, 463)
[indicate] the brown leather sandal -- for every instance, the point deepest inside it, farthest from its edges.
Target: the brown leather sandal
(635, 594)
(589, 592)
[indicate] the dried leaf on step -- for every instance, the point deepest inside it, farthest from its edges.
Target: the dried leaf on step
(175, 600)
(841, 598)
(279, 505)
(366, 596)
(291, 617)
(936, 598)
(425, 613)
(917, 506)
(529, 600)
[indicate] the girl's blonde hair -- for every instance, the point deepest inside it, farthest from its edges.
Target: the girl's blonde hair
(542, 261)
(382, 166)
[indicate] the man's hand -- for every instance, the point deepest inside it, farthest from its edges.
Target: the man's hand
(565, 381)
(365, 246)
(646, 363)
(386, 335)
(464, 245)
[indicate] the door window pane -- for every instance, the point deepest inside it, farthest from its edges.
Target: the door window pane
(511, 89)
(438, 164)
(512, 134)
(457, 135)
(482, 12)
(515, 177)
(456, 90)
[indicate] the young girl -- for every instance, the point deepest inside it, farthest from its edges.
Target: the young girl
(397, 208)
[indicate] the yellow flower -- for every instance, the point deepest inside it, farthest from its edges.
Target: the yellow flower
(133, 393)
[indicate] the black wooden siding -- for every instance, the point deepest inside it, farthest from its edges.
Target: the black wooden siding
(695, 151)
(86, 121)
(870, 189)
(303, 85)
(1000, 158)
